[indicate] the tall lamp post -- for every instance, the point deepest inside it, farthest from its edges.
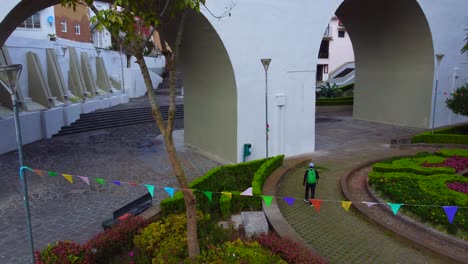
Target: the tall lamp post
(439, 58)
(266, 64)
(9, 75)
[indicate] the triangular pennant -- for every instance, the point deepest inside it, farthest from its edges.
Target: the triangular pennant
(39, 172)
(450, 211)
(85, 179)
(209, 195)
(170, 191)
(247, 192)
(133, 183)
(289, 200)
(68, 177)
(100, 181)
(346, 205)
(228, 194)
(369, 204)
(116, 183)
(52, 174)
(267, 199)
(395, 207)
(316, 203)
(150, 189)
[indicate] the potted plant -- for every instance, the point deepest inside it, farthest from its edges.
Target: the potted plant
(52, 37)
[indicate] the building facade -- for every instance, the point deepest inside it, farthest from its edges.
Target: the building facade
(73, 24)
(41, 25)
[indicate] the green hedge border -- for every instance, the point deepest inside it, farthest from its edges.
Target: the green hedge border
(228, 178)
(445, 136)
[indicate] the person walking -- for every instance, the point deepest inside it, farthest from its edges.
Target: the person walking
(310, 181)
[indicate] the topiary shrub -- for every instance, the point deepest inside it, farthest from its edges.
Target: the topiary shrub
(458, 101)
(62, 252)
(452, 135)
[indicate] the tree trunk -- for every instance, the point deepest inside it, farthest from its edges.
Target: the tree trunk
(166, 131)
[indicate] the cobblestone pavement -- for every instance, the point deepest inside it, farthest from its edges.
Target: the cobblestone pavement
(346, 237)
(64, 211)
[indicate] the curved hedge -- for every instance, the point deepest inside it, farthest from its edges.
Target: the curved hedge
(453, 135)
(234, 179)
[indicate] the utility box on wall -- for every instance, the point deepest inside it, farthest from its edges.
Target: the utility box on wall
(247, 150)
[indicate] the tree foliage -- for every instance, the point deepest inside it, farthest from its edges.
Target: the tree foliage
(458, 101)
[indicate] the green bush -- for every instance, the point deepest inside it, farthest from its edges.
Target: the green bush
(166, 240)
(347, 88)
(385, 168)
(453, 152)
(228, 178)
(458, 101)
(453, 135)
(238, 252)
(326, 102)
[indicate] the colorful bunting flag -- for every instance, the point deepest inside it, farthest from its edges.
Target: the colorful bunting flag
(316, 203)
(150, 189)
(170, 191)
(450, 211)
(267, 199)
(52, 174)
(133, 183)
(289, 200)
(116, 183)
(39, 172)
(68, 177)
(85, 179)
(247, 192)
(369, 204)
(100, 181)
(346, 205)
(209, 195)
(228, 194)
(395, 207)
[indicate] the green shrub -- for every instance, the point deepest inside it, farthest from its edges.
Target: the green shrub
(62, 252)
(458, 101)
(225, 206)
(452, 135)
(166, 240)
(228, 178)
(239, 252)
(347, 88)
(453, 152)
(326, 102)
(385, 168)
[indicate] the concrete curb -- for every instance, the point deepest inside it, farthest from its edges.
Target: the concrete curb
(405, 227)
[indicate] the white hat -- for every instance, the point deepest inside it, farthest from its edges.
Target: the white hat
(311, 165)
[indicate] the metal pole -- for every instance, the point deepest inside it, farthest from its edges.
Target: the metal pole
(266, 112)
(19, 142)
(439, 58)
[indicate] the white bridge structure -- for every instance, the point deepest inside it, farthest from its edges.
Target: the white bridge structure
(395, 43)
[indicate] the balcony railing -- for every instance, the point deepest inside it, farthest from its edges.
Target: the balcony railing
(328, 32)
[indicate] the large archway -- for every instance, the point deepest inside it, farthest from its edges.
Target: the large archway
(394, 57)
(210, 88)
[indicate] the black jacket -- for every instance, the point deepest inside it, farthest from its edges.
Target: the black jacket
(305, 176)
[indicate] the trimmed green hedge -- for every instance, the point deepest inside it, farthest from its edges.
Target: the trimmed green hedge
(453, 152)
(347, 88)
(228, 178)
(453, 135)
(322, 102)
(383, 167)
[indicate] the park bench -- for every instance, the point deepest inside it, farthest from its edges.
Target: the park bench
(135, 207)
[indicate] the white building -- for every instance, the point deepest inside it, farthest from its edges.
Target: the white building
(38, 26)
(101, 38)
(336, 50)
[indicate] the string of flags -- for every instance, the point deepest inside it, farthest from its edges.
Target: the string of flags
(450, 211)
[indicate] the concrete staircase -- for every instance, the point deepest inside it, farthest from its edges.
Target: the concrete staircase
(116, 118)
(163, 87)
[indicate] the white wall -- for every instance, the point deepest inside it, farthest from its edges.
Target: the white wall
(39, 33)
(341, 49)
(101, 39)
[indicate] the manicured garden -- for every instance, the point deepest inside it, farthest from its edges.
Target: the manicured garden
(328, 95)
(164, 239)
(424, 184)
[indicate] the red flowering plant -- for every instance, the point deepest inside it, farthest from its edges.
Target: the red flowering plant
(458, 186)
(62, 252)
(289, 250)
(458, 163)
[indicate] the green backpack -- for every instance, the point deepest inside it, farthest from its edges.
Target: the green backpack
(311, 176)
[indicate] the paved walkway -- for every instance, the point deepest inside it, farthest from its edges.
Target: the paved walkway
(62, 211)
(340, 236)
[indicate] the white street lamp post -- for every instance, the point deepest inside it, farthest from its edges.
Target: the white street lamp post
(439, 58)
(9, 75)
(266, 64)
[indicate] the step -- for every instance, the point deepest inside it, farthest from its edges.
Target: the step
(123, 115)
(105, 122)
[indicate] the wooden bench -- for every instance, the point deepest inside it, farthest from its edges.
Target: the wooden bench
(135, 207)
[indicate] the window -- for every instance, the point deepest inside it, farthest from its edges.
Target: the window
(325, 68)
(323, 52)
(77, 29)
(32, 22)
(341, 33)
(63, 26)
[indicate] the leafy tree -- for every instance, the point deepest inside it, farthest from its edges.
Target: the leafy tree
(132, 23)
(465, 48)
(329, 91)
(458, 101)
